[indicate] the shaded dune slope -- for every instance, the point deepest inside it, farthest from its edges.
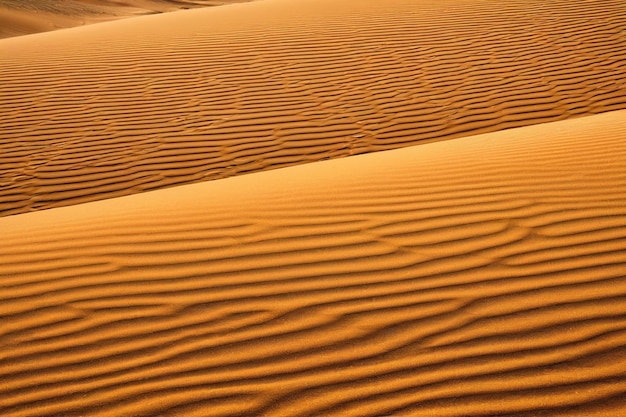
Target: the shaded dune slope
(477, 276)
(22, 17)
(134, 105)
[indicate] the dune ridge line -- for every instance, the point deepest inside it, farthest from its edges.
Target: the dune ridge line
(151, 102)
(470, 277)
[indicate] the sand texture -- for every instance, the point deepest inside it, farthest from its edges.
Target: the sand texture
(138, 104)
(22, 17)
(432, 221)
(470, 277)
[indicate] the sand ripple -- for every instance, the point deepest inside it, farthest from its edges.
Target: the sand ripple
(128, 106)
(471, 277)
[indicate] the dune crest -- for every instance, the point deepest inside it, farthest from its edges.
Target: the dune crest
(21, 17)
(139, 104)
(477, 276)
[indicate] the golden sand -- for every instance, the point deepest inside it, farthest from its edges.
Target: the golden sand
(482, 275)
(22, 17)
(139, 104)
(467, 269)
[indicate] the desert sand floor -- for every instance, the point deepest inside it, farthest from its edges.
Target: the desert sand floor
(22, 17)
(138, 104)
(475, 266)
(477, 276)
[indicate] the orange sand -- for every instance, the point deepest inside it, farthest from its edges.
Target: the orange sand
(137, 104)
(21, 17)
(478, 276)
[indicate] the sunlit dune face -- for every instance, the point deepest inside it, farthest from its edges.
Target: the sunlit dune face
(175, 98)
(353, 208)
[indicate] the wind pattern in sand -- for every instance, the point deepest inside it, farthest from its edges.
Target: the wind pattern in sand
(481, 273)
(471, 277)
(146, 103)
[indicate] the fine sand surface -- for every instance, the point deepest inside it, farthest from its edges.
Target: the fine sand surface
(132, 105)
(476, 276)
(22, 17)
(479, 273)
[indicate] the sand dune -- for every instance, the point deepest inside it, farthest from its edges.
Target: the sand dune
(21, 17)
(482, 275)
(471, 277)
(138, 104)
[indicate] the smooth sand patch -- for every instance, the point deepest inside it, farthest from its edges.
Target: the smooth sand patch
(23, 17)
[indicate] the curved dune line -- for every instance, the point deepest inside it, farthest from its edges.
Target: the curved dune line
(124, 107)
(477, 276)
(20, 18)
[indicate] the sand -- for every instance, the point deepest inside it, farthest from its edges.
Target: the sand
(477, 276)
(22, 17)
(123, 107)
(432, 220)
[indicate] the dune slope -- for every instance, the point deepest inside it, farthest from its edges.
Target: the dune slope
(122, 107)
(471, 277)
(20, 17)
